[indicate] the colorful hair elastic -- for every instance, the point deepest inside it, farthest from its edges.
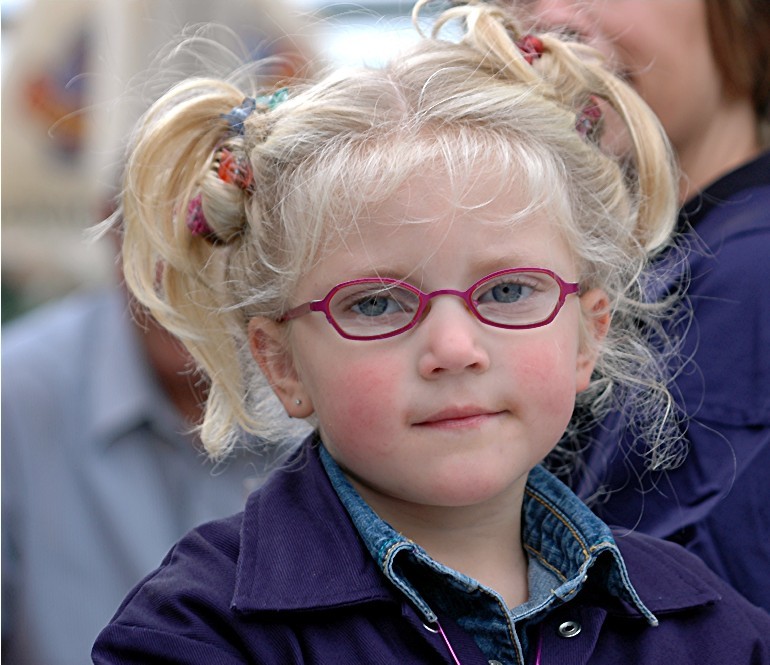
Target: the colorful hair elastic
(238, 115)
(589, 120)
(233, 170)
(531, 47)
(273, 100)
(197, 223)
(229, 169)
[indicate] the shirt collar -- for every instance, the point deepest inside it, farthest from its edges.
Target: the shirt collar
(123, 393)
(755, 173)
(559, 531)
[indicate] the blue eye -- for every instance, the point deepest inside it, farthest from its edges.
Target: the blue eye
(375, 305)
(371, 307)
(505, 293)
(517, 298)
(508, 292)
(374, 301)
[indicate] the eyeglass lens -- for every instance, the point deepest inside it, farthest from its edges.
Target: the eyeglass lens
(374, 307)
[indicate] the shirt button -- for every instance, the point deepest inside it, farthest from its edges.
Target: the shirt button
(570, 629)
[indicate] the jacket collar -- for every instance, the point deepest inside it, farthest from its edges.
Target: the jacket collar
(301, 551)
(559, 531)
(669, 582)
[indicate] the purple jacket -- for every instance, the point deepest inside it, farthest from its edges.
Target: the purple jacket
(290, 581)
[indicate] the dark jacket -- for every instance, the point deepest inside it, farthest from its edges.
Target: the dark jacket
(289, 581)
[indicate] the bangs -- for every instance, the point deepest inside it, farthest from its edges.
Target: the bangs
(346, 183)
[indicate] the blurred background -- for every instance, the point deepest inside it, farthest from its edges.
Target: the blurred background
(76, 75)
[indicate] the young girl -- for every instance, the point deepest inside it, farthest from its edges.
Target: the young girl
(437, 264)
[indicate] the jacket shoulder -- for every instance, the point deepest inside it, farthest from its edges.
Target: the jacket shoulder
(184, 605)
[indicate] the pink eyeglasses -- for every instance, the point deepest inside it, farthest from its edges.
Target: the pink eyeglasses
(380, 307)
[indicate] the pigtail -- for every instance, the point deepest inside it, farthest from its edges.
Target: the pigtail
(574, 76)
(188, 183)
(651, 170)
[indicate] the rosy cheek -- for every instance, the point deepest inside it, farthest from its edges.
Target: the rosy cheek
(365, 402)
(544, 375)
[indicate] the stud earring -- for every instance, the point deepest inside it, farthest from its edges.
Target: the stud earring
(298, 402)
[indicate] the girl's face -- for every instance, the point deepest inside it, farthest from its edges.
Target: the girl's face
(663, 48)
(453, 412)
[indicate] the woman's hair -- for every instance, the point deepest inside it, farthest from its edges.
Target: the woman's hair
(491, 98)
(739, 32)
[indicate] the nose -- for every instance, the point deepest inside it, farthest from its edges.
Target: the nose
(453, 339)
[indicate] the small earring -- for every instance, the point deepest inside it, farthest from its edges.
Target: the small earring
(298, 402)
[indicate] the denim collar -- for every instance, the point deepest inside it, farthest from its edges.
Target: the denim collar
(560, 535)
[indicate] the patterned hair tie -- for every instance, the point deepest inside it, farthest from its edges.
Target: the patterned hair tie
(230, 168)
(238, 115)
(273, 100)
(531, 47)
(197, 223)
(589, 120)
(234, 170)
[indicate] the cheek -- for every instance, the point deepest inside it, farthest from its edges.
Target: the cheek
(545, 379)
(357, 399)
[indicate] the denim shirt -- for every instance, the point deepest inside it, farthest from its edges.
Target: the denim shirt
(562, 538)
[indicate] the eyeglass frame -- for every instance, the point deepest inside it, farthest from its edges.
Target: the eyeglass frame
(322, 305)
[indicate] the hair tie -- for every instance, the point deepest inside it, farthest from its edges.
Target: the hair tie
(238, 115)
(589, 120)
(197, 223)
(233, 170)
(229, 168)
(273, 100)
(531, 47)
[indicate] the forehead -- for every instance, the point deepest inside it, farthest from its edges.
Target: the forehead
(417, 181)
(449, 226)
(366, 204)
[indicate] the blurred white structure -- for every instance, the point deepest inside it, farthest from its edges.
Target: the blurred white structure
(75, 79)
(73, 85)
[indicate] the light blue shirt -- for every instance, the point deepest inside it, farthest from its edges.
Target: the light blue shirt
(99, 478)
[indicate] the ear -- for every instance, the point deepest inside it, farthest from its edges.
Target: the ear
(595, 315)
(269, 347)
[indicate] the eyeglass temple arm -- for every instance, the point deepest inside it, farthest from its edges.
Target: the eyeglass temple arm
(300, 310)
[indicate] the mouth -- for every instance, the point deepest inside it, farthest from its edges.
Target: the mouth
(456, 418)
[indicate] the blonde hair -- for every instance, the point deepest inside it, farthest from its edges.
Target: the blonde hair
(351, 139)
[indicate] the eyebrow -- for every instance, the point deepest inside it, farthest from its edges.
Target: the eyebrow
(479, 269)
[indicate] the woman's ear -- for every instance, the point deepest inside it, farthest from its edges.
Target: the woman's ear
(595, 316)
(268, 345)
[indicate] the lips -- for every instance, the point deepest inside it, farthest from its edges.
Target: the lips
(458, 417)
